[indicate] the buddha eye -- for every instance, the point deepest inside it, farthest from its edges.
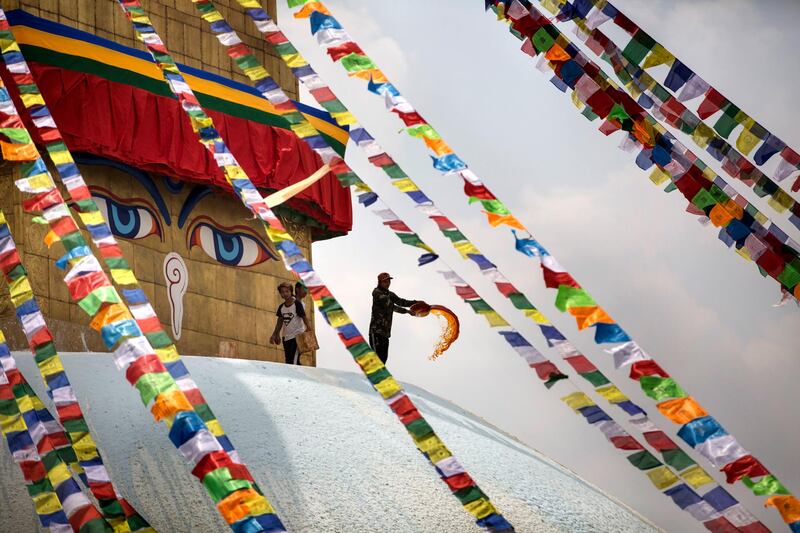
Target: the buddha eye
(227, 246)
(125, 218)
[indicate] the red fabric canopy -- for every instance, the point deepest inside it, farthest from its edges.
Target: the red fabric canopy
(151, 132)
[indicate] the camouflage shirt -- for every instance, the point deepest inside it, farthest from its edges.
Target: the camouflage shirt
(384, 304)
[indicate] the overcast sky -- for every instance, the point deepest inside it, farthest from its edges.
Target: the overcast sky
(704, 313)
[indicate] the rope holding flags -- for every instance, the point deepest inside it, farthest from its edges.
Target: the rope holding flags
(228, 483)
(41, 450)
(85, 456)
(546, 370)
(100, 233)
(643, 52)
(571, 296)
(426, 440)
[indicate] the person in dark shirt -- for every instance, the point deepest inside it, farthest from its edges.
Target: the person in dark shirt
(384, 304)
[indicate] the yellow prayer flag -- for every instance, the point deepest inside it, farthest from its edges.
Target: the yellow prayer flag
(388, 387)
(304, 130)
(369, 363)
(433, 446)
(24, 404)
(30, 100)
(92, 218)
(50, 238)
(703, 134)
(465, 248)
(761, 217)
(662, 477)
(20, 290)
(278, 235)
(696, 476)
(744, 253)
(344, 118)
(39, 183)
(780, 201)
(495, 320)
(58, 474)
(119, 525)
(405, 185)
(577, 400)
(233, 172)
(61, 157)
(51, 366)
(658, 56)
(123, 276)
(746, 141)
(168, 354)
(46, 503)
(256, 73)
(338, 318)
(84, 446)
(612, 394)
(537, 316)
(12, 423)
(659, 176)
(214, 427)
(294, 60)
(480, 508)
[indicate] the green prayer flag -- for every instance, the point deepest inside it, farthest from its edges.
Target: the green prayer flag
(496, 207)
(44, 352)
(394, 171)
(283, 49)
(219, 483)
(573, 297)
(638, 47)
(643, 460)
(98, 525)
(378, 376)
(677, 459)
(703, 199)
(454, 235)
(92, 302)
(479, 305)
(76, 426)
(542, 40)
(359, 349)
(8, 407)
(39, 487)
(159, 339)
(789, 277)
(355, 62)
(424, 130)
(412, 239)
(554, 378)
(618, 112)
(766, 486)
(596, 378)
(469, 494)
(519, 301)
(334, 106)
(204, 412)
(295, 3)
(16, 135)
(659, 388)
(419, 428)
(153, 384)
(68, 455)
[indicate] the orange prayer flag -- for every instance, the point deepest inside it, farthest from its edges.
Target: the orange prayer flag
(788, 506)
(50, 238)
(508, 220)
(18, 152)
(168, 404)
(438, 146)
(556, 53)
(234, 506)
(589, 316)
(681, 410)
(309, 8)
(720, 216)
(108, 314)
(642, 132)
(734, 209)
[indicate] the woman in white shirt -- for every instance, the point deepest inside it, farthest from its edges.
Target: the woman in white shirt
(291, 322)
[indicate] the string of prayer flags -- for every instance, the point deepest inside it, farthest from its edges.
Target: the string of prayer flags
(42, 451)
(774, 252)
(463, 487)
(670, 109)
(741, 226)
(101, 235)
(85, 458)
(698, 428)
(681, 84)
(223, 478)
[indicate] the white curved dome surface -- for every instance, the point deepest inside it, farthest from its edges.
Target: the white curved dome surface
(327, 451)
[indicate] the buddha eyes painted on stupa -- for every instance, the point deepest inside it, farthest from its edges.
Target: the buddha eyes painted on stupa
(138, 207)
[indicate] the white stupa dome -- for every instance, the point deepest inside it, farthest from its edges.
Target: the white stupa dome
(328, 453)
